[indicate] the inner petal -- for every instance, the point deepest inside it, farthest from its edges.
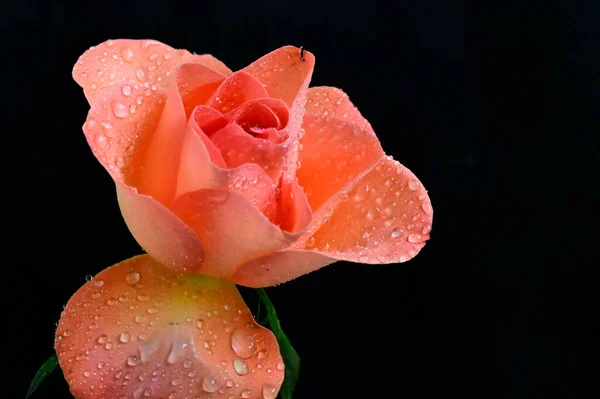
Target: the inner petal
(265, 118)
(237, 89)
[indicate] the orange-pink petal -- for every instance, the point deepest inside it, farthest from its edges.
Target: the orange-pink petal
(327, 101)
(283, 72)
(384, 218)
(147, 62)
(231, 228)
(196, 84)
(334, 153)
(238, 147)
(162, 234)
(237, 89)
(140, 330)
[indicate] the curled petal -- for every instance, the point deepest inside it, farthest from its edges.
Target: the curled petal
(144, 61)
(238, 88)
(141, 330)
(384, 218)
(162, 234)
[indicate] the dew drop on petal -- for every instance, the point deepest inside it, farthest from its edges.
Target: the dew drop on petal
(120, 110)
(243, 344)
(124, 337)
(132, 278)
(269, 391)
(209, 384)
(413, 184)
(126, 90)
(240, 367)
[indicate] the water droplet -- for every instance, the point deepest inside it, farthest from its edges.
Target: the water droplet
(175, 382)
(126, 90)
(133, 360)
(141, 75)
(427, 208)
(246, 393)
(86, 373)
(68, 333)
(280, 366)
(148, 392)
(263, 354)
(413, 184)
(98, 283)
(120, 110)
(200, 323)
(101, 141)
(396, 233)
(243, 344)
(269, 391)
(167, 56)
(102, 339)
(124, 337)
(426, 229)
(240, 367)
(132, 278)
(415, 238)
(127, 54)
(139, 318)
(209, 384)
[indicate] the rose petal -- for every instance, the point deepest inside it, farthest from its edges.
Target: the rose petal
(144, 61)
(196, 84)
(160, 165)
(119, 125)
(141, 330)
(238, 148)
(283, 73)
(279, 267)
(159, 231)
(264, 118)
(286, 76)
(231, 229)
(332, 102)
(238, 88)
(334, 153)
(385, 218)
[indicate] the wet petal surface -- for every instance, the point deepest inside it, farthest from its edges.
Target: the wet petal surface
(139, 330)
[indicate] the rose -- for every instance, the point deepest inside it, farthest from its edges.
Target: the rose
(247, 176)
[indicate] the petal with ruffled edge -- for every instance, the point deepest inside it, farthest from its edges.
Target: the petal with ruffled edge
(141, 330)
(147, 62)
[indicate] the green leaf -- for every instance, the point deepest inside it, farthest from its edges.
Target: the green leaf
(289, 354)
(47, 368)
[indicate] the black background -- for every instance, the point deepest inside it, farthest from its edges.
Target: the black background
(503, 299)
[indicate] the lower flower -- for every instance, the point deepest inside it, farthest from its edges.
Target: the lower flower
(139, 330)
